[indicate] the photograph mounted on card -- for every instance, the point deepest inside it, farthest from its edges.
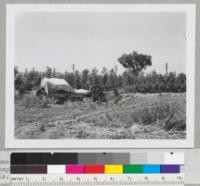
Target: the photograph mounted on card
(100, 76)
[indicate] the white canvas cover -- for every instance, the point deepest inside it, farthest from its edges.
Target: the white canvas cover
(81, 91)
(51, 85)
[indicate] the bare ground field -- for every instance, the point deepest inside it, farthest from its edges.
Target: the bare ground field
(135, 116)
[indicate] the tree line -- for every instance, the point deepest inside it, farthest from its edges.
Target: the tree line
(133, 79)
(108, 79)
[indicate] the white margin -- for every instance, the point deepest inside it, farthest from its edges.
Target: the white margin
(11, 142)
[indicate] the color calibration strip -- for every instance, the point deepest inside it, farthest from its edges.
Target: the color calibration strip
(96, 163)
(95, 169)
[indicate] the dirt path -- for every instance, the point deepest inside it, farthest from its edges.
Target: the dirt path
(62, 122)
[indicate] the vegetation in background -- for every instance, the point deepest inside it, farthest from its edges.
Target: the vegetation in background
(133, 79)
(135, 63)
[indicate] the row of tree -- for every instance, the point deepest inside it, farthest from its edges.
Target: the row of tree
(108, 79)
(132, 79)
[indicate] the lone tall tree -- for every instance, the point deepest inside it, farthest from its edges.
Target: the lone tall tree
(135, 62)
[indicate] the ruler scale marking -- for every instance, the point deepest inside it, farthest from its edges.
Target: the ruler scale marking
(110, 180)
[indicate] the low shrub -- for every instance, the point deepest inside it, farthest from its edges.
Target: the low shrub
(175, 122)
(130, 89)
(149, 114)
(30, 101)
(169, 115)
(42, 128)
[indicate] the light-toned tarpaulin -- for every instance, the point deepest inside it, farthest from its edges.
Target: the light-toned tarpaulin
(52, 85)
(82, 91)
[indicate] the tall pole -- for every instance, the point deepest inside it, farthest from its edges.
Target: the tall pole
(73, 69)
(166, 69)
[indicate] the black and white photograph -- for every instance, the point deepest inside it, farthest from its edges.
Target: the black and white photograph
(101, 75)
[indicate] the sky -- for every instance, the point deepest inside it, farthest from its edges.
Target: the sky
(98, 39)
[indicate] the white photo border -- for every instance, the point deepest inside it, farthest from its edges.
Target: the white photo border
(11, 142)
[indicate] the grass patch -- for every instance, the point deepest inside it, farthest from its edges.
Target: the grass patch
(170, 115)
(136, 116)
